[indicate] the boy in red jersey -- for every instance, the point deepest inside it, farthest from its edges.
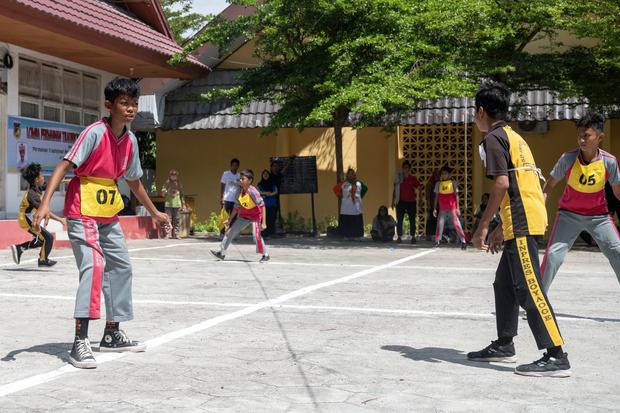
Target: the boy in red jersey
(249, 210)
(583, 206)
(447, 206)
(103, 153)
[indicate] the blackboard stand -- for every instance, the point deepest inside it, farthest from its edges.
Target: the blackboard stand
(314, 230)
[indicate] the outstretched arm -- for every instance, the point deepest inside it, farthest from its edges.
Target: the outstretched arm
(43, 212)
(138, 190)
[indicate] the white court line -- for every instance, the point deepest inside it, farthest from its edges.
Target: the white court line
(454, 314)
(321, 264)
(158, 341)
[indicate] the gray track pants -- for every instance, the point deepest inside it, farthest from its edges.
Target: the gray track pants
(239, 225)
(450, 215)
(566, 229)
(103, 261)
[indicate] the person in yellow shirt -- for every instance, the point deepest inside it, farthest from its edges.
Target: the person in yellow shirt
(516, 191)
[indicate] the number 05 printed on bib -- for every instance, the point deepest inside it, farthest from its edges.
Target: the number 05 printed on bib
(100, 197)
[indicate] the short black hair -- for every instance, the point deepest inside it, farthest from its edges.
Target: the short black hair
(494, 98)
(406, 163)
(31, 172)
(592, 120)
(446, 168)
(121, 86)
(234, 160)
(248, 173)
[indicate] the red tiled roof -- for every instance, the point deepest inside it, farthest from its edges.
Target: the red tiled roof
(102, 17)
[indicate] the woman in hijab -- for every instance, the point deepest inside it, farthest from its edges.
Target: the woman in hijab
(268, 189)
(383, 226)
(351, 192)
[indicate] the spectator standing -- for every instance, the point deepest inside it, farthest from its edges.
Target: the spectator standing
(172, 191)
(404, 199)
(351, 192)
(229, 187)
(269, 191)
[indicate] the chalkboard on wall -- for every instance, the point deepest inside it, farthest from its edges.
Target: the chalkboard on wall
(299, 174)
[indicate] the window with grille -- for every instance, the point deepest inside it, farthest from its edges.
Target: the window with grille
(428, 148)
(55, 93)
(73, 116)
(72, 87)
(90, 117)
(91, 92)
(29, 108)
(52, 113)
(51, 83)
(29, 78)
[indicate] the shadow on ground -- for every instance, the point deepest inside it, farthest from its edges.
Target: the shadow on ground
(60, 350)
(440, 355)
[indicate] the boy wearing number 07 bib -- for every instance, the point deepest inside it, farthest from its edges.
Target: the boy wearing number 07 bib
(103, 153)
(583, 206)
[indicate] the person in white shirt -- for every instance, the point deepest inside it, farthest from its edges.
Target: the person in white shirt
(230, 187)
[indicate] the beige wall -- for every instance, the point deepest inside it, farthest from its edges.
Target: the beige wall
(201, 156)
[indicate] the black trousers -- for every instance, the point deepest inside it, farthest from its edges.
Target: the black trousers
(44, 239)
(409, 208)
(517, 283)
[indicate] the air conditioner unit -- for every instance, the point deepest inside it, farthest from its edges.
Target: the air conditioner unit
(532, 126)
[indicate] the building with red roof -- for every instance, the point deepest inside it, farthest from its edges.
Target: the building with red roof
(56, 56)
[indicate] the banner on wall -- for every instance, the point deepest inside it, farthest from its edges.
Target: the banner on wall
(33, 140)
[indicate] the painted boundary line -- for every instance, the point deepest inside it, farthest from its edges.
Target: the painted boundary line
(369, 310)
(36, 380)
(322, 264)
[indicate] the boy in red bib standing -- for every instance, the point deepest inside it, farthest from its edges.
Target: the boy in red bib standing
(583, 206)
(103, 153)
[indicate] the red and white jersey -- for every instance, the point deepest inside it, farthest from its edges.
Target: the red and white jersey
(585, 183)
(250, 204)
(446, 195)
(98, 153)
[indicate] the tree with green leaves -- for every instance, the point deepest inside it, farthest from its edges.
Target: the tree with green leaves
(367, 62)
(183, 22)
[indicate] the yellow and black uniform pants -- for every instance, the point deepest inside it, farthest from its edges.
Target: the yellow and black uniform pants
(517, 283)
(43, 239)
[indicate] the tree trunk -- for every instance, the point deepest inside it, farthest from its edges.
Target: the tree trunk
(340, 117)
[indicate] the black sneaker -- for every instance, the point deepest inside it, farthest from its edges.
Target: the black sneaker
(17, 253)
(117, 341)
(264, 258)
(217, 254)
(399, 240)
(547, 366)
(495, 352)
(463, 246)
(82, 355)
(436, 245)
(47, 263)
(414, 240)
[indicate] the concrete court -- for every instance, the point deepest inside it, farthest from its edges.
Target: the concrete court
(349, 328)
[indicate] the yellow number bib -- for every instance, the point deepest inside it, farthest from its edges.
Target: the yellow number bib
(100, 197)
(246, 201)
(445, 187)
(587, 178)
